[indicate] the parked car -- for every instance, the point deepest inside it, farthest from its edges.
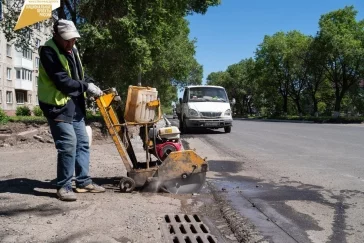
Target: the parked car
(205, 106)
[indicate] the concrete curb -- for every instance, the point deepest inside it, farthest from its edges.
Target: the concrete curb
(243, 230)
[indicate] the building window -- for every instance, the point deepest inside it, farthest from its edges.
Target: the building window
(18, 74)
(27, 53)
(26, 74)
(37, 43)
(8, 50)
(1, 96)
(37, 62)
(9, 97)
(8, 73)
(29, 98)
(19, 98)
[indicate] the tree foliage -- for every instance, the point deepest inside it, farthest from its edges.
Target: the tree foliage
(341, 38)
(125, 39)
(239, 81)
(293, 73)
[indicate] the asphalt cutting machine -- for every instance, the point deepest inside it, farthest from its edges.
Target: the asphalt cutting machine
(173, 169)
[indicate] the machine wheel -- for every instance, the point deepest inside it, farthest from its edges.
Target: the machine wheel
(126, 184)
(227, 129)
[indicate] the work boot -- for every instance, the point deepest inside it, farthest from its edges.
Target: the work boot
(90, 188)
(66, 194)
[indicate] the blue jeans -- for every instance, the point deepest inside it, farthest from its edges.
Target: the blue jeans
(72, 144)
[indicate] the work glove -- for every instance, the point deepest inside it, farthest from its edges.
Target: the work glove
(94, 90)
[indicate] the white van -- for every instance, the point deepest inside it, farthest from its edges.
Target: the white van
(204, 106)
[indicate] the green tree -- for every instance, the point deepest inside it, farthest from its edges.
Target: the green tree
(235, 86)
(239, 82)
(122, 39)
(281, 58)
(297, 48)
(218, 78)
(271, 58)
(315, 73)
(243, 84)
(304, 74)
(341, 39)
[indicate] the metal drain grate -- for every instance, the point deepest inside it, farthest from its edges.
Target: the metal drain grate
(182, 228)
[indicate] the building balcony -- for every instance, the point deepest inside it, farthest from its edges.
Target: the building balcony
(21, 62)
(23, 85)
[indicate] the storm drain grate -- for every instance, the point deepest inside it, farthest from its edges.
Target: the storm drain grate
(182, 228)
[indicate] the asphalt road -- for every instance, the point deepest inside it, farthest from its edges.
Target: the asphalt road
(294, 182)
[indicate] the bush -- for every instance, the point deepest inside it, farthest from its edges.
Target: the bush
(322, 107)
(37, 111)
(28, 119)
(90, 117)
(89, 113)
(3, 117)
(23, 111)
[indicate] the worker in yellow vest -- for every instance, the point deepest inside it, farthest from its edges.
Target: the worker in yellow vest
(62, 86)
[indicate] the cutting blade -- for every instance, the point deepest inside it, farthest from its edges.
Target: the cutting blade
(191, 184)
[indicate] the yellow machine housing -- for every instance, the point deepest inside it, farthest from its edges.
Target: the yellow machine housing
(143, 109)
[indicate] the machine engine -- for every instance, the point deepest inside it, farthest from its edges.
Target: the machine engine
(166, 140)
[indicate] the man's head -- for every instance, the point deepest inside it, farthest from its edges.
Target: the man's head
(65, 33)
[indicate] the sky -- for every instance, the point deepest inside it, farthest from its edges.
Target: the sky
(232, 31)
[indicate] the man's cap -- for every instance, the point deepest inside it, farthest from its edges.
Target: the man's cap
(67, 29)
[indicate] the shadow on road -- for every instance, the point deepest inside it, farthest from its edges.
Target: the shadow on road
(44, 210)
(107, 182)
(175, 122)
(199, 131)
(274, 120)
(28, 186)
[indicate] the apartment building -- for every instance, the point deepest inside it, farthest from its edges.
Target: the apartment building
(19, 71)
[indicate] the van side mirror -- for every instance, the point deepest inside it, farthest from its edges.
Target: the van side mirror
(180, 100)
(233, 101)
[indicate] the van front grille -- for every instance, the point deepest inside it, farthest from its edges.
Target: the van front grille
(211, 114)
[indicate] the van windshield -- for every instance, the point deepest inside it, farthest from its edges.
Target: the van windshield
(210, 94)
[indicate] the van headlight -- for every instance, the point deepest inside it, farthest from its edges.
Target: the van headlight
(193, 113)
(227, 112)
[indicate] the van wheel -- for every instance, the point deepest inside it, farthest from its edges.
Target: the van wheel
(227, 129)
(183, 126)
(180, 126)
